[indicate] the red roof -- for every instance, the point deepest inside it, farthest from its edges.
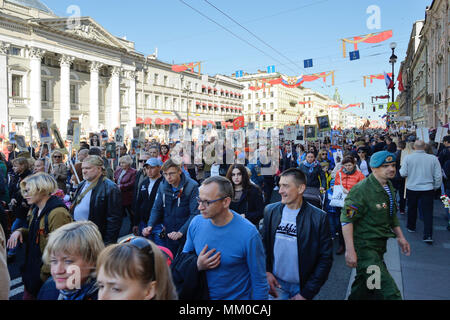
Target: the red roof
(159, 121)
(139, 121)
(148, 121)
(167, 121)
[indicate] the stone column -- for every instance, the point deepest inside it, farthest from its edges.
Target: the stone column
(132, 93)
(4, 94)
(115, 99)
(36, 55)
(93, 96)
(64, 107)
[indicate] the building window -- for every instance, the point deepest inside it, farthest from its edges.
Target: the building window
(271, 117)
(101, 96)
(165, 81)
(14, 51)
(249, 96)
(264, 94)
(44, 95)
(157, 102)
(73, 94)
(156, 79)
(146, 100)
(271, 105)
(166, 102)
(16, 86)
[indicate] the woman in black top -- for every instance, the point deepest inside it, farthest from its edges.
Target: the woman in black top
(247, 199)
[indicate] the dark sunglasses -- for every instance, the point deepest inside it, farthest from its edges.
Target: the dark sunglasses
(56, 157)
(143, 245)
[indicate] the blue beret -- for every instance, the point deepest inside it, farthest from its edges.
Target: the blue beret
(380, 158)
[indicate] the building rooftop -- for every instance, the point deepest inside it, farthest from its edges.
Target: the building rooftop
(36, 4)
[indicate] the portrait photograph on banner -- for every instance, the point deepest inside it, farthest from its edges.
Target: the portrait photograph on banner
(44, 132)
(94, 140)
(300, 134)
(110, 150)
(20, 142)
(104, 134)
(310, 132)
(59, 140)
(323, 123)
(118, 137)
(70, 125)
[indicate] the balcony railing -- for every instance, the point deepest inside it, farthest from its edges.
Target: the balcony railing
(19, 101)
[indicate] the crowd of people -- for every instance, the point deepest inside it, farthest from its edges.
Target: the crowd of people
(202, 231)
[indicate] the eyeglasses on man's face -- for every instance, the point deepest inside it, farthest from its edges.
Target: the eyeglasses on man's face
(207, 203)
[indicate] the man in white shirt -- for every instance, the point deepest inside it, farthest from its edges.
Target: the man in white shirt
(424, 176)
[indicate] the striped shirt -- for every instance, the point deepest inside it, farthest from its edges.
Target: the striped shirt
(391, 199)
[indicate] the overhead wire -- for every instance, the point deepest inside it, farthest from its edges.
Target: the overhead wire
(232, 33)
(253, 34)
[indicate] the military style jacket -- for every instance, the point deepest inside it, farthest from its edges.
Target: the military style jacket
(367, 206)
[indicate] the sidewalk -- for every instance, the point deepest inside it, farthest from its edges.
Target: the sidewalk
(424, 274)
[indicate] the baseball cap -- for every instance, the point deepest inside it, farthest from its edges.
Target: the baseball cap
(153, 162)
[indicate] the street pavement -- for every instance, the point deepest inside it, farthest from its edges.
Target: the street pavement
(421, 276)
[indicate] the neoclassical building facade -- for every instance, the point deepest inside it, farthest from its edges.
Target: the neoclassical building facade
(56, 69)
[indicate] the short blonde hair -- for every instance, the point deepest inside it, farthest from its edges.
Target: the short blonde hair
(77, 238)
(38, 184)
(128, 262)
(94, 160)
(126, 159)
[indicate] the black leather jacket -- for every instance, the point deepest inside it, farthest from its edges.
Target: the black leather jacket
(105, 209)
(314, 244)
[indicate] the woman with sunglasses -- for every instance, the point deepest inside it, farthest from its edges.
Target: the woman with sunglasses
(59, 170)
(363, 161)
(247, 200)
(73, 247)
(134, 270)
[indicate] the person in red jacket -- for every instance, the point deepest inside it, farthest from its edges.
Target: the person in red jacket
(348, 176)
(125, 176)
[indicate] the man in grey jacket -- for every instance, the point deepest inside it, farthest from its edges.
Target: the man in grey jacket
(424, 176)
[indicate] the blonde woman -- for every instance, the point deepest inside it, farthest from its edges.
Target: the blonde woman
(72, 250)
(47, 213)
(135, 270)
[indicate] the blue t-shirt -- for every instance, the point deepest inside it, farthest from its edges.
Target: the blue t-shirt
(241, 274)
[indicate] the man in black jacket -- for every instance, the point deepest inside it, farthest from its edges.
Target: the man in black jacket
(98, 199)
(298, 244)
(146, 196)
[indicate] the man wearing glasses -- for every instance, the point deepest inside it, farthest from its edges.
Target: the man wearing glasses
(174, 206)
(229, 247)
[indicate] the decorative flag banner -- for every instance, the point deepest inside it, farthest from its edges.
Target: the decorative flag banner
(388, 80)
(238, 123)
(382, 97)
(187, 66)
(354, 55)
(375, 76)
(308, 63)
(400, 82)
(293, 82)
(346, 107)
(368, 38)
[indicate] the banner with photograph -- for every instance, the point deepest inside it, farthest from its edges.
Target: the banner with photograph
(119, 137)
(44, 132)
(59, 140)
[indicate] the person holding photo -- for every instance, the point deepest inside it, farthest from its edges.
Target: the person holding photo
(59, 170)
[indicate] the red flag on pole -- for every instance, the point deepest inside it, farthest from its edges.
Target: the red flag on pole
(239, 122)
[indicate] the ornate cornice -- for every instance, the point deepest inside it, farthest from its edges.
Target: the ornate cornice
(36, 53)
(66, 60)
(4, 47)
(95, 66)
(116, 71)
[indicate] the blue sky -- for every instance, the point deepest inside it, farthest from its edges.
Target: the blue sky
(298, 29)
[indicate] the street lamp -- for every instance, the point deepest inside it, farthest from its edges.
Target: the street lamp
(393, 60)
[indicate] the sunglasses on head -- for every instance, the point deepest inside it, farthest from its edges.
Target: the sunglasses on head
(144, 246)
